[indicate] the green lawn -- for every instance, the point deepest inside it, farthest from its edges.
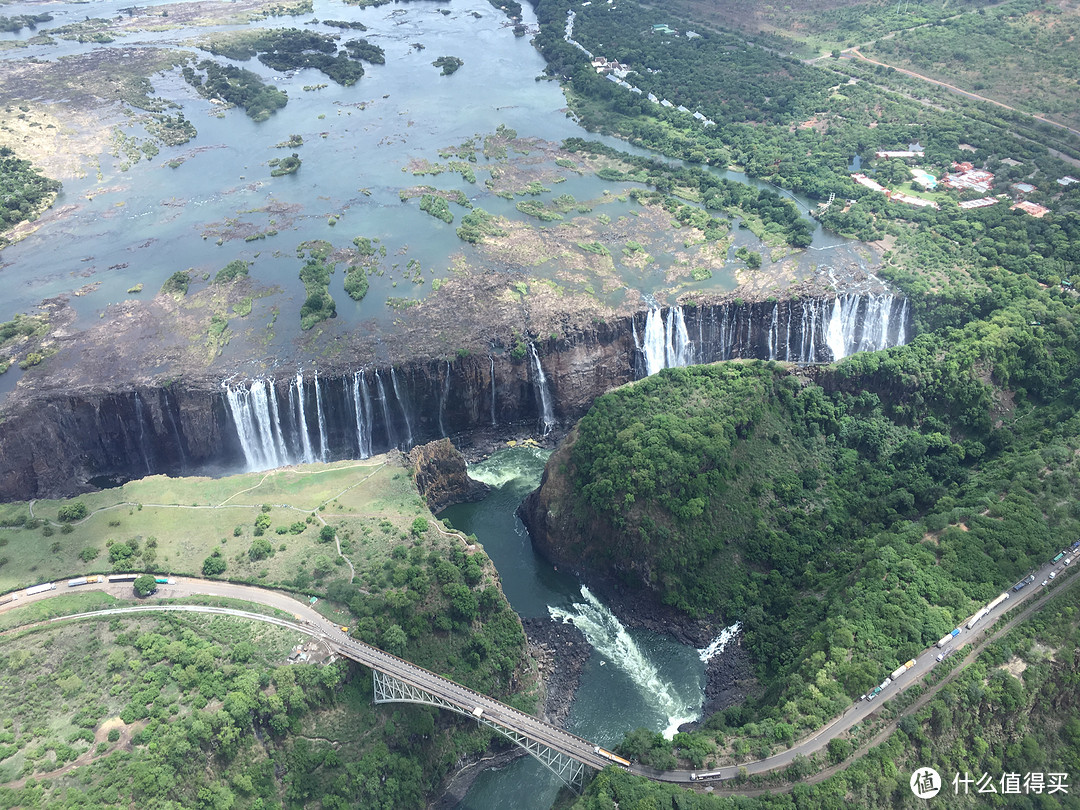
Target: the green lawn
(172, 524)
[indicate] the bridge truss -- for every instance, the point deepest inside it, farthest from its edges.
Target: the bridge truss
(389, 689)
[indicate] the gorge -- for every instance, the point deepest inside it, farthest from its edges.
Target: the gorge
(62, 443)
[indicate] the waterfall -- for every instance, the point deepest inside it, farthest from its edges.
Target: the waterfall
(774, 332)
(667, 343)
(307, 455)
(404, 403)
(718, 644)
(864, 323)
(546, 414)
(442, 400)
(260, 436)
(362, 408)
(176, 432)
(391, 434)
(606, 634)
(678, 348)
(142, 432)
(653, 347)
(324, 456)
(492, 360)
(787, 334)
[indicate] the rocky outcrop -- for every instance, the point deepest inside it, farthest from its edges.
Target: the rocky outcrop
(560, 651)
(442, 476)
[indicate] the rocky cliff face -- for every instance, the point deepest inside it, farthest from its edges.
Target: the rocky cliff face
(59, 443)
(441, 476)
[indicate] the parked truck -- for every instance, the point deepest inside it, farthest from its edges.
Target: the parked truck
(975, 619)
(1024, 583)
(900, 670)
(997, 601)
(946, 639)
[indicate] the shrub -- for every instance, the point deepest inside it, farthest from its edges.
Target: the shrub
(71, 512)
(214, 564)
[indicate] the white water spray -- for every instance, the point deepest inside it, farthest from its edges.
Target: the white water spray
(547, 415)
(324, 454)
(404, 403)
(308, 455)
(606, 634)
(718, 644)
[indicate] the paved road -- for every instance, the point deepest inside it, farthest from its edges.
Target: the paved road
(307, 620)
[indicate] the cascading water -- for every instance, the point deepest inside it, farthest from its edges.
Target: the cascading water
(324, 454)
(719, 644)
(175, 430)
(308, 455)
(260, 436)
(547, 415)
(774, 331)
(678, 349)
(362, 408)
(667, 343)
(442, 400)
(391, 434)
(653, 347)
(404, 403)
(142, 433)
(492, 360)
(609, 637)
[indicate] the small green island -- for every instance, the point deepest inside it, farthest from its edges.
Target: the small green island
(448, 64)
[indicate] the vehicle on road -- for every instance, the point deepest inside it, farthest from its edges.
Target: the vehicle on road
(1045, 582)
(610, 756)
(1024, 583)
(1058, 557)
(1052, 574)
(946, 639)
(941, 656)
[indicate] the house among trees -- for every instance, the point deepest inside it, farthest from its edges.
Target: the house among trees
(662, 28)
(1066, 181)
(1023, 188)
(968, 178)
(982, 202)
(1035, 210)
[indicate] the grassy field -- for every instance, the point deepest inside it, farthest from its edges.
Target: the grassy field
(168, 525)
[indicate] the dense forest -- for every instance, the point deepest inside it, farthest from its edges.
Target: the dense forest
(849, 519)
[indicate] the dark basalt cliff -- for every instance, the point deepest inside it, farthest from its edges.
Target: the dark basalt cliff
(60, 442)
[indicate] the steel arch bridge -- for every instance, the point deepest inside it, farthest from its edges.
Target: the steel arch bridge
(389, 689)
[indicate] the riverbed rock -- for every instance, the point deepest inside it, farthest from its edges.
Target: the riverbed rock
(442, 477)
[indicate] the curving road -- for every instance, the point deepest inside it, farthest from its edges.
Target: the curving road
(310, 622)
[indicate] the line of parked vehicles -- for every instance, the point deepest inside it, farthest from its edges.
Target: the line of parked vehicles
(74, 583)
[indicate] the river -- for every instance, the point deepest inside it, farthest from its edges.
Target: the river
(634, 678)
(122, 223)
